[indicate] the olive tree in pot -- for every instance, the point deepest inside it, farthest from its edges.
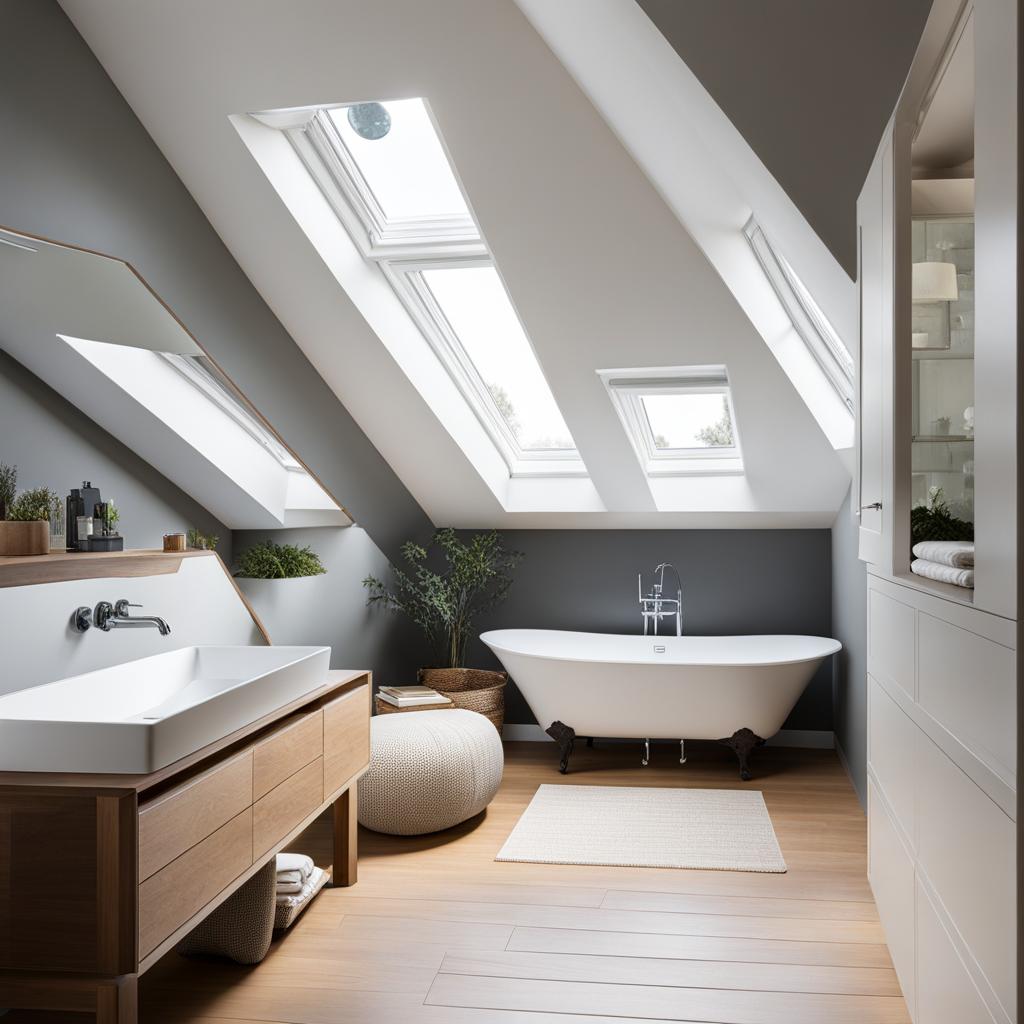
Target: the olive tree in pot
(469, 579)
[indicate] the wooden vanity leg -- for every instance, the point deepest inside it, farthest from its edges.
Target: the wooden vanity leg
(346, 841)
(118, 1002)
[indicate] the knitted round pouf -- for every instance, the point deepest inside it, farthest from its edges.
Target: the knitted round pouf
(429, 772)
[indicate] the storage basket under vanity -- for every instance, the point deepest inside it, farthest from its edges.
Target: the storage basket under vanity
(474, 689)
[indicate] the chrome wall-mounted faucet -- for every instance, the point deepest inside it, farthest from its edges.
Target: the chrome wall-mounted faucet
(654, 605)
(107, 616)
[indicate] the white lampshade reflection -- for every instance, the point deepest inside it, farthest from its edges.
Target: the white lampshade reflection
(934, 282)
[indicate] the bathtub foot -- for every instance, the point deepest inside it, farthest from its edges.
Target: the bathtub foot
(742, 742)
(646, 759)
(565, 737)
(682, 751)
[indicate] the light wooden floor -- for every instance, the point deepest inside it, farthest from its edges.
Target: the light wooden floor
(436, 931)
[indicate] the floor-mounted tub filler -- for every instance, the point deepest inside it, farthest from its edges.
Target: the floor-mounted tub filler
(734, 689)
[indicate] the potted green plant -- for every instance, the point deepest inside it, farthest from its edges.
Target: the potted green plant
(269, 561)
(280, 582)
(8, 488)
(26, 530)
(935, 521)
(471, 578)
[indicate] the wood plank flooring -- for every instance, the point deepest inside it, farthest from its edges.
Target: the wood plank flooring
(436, 932)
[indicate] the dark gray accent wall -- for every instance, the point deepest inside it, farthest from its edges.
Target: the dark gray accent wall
(810, 84)
(849, 620)
(56, 446)
(79, 167)
(734, 581)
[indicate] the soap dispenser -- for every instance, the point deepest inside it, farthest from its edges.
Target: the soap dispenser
(80, 499)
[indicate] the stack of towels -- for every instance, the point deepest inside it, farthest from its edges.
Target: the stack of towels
(948, 561)
(298, 881)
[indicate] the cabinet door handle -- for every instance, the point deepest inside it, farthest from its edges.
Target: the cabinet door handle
(876, 505)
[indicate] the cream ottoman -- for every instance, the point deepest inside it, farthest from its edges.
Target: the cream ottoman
(429, 771)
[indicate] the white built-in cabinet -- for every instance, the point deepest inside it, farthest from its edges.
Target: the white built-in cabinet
(942, 661)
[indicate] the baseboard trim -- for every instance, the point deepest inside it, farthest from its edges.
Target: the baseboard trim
(815, 739)
(844, 761)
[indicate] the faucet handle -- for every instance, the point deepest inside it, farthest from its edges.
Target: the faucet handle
(121, 607)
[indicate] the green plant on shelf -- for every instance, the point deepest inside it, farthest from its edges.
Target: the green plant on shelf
(200, 541)
(934, 521)
(113, 517)
(34, 505)
(8, 487)
(270, 561)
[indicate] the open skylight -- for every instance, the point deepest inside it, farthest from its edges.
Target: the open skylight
(679, 419)
(385, 171)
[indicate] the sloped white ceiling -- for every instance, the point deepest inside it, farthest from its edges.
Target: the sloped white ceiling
(601, 271)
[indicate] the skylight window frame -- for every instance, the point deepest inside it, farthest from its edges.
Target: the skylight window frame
(200, 372)
(627, 390)
(406, 277)
(819, 337)
(403, 250)
(327, 157)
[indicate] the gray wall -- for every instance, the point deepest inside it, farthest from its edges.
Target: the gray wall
(56, 446)
(331, 609)
(849, 622)
(734, 581)
(787, 71)
(79, 167)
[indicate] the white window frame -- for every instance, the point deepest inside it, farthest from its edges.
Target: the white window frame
(403, 249)
(809, 322)
(628, 388)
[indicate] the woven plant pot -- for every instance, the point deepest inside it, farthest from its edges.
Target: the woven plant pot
(489, 702)
(455, 680)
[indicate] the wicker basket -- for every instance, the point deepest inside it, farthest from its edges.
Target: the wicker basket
(475, 689)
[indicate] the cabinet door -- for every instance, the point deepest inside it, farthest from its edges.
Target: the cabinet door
(868, 493)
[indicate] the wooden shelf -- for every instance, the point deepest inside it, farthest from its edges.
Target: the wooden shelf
(61, 566)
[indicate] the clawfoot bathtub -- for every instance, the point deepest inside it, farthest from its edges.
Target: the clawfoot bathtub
(735, 689)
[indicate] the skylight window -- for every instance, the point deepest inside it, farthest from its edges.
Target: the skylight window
(476, 307)
(806, 316)
(679, 419)
(396, 191)
(406, 171)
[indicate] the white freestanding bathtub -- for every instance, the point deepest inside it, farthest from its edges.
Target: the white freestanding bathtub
(738, 689)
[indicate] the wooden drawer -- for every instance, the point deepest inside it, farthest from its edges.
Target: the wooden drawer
(346, 738)
(178, 820)
(276, 814)
(181, 889)
(278, 757)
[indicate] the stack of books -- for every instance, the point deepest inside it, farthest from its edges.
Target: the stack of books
(411, 696)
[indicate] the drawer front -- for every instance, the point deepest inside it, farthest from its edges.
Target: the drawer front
(892, 750)
(171, 896)
(346, 738)
(281, 755)
(891, 649)
(178, 820)
(276, 814)
(891, 872)
(968, 684)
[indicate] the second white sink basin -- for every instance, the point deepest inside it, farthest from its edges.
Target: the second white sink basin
(140, 716)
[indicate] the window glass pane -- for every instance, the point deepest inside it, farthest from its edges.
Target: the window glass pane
(475, 303)
(689, 421)
(407, 169)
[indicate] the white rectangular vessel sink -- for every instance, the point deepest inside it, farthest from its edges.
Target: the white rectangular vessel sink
(137, 717)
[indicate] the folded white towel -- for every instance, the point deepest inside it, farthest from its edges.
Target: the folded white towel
(943, 573)
(288, 864)
(314, 884)
(958, 553)
(290, 885)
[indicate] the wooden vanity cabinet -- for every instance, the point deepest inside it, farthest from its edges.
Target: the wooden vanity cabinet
(101, 875)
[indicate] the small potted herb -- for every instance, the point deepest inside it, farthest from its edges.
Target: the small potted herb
(8, 488)
(26, 531)
(278, 578)
(200, 541)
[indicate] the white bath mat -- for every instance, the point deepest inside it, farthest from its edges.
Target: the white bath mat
(631, 826)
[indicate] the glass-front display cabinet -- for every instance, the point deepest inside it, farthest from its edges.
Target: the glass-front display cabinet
(942, 350)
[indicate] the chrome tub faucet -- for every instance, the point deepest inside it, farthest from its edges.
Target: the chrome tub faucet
(655, 606)
(107, 616)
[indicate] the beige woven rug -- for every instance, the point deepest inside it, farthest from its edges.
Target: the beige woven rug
(631, 826)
